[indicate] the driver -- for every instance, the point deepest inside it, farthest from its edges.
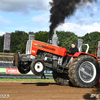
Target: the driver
(73, 51)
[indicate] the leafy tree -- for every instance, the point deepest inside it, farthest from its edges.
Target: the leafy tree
(19, 40)
(66, 38)
(92, 39)
(41, 36)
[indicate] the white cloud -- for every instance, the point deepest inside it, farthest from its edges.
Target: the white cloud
(2, 20)
(23, 5)
(41, 19)
(80, 30)
(2, 33)
(84, 21)
(35, 29)
(95, 8)
(28, 29)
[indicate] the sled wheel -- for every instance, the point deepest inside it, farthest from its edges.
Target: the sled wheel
(37, 67)
(61, 78)
(24, 67)
(84, 71)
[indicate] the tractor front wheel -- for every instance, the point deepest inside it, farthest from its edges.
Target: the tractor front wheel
(37, 67)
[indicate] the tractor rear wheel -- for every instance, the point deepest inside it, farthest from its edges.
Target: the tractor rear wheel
(84, 71)
(61, 78)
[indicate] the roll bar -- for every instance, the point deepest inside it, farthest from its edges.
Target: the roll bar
(84, 45)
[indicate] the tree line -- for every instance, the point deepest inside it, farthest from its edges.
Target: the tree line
(19, 40)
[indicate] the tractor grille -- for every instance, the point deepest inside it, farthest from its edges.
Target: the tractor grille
(28, 47)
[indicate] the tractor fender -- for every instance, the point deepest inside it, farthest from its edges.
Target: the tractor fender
(77, 54)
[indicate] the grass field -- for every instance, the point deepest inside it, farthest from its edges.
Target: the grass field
(40, 80)
(23, 74)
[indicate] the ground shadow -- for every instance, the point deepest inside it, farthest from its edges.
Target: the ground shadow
(39, 84)
(46, 84)
(94, 95)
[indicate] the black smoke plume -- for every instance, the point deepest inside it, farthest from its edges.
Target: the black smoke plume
(60, 9)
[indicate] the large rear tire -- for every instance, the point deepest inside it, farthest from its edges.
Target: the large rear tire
(84, 71)
(61, 78)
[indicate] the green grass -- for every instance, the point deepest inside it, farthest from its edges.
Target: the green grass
(39, 80)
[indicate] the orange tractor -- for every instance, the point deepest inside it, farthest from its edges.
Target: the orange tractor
(81, 70)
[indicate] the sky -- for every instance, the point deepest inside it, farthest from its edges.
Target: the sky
(34, 15)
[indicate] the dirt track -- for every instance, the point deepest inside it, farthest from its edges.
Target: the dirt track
(44, 91)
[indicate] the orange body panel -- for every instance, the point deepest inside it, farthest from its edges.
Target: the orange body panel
(37, 45)
(99, 80)
(77, 54)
